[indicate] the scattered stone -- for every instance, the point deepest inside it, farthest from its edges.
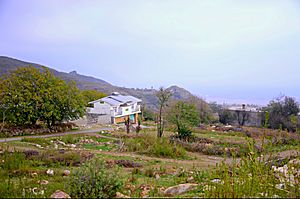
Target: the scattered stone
(66, 172)
(190, 179)
(34, 174)
(73, 145)
(61, 142)
(59, 194)
(179, 189)
(43, 182)
(50, 172)
(120, 195)
(145, 190)
(157, 176)
(279, 186)
(55, 146)
(218, 181)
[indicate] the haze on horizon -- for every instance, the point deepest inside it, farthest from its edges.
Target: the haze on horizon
(225, 50)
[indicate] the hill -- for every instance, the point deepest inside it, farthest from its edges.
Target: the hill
(91, 83)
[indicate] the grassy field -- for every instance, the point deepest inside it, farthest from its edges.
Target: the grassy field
(218, 164)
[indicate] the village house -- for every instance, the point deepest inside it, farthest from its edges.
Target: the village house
(114, 109)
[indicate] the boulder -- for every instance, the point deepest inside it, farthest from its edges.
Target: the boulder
(120, 195)
(190, 179)
(50, 172)
(66, 172)
(179, 189)
(43, 182)
(59, 194)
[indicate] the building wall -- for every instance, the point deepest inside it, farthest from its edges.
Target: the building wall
(98, 119)
(254, 119)
(100, 108)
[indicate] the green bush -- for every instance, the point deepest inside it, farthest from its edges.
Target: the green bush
(93, 180)
(159, 147)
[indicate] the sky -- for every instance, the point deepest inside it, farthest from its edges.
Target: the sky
(224, 50)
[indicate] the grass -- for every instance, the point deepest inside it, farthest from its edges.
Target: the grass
(158, 147)
(39, 141)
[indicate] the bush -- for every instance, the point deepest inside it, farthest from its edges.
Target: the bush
(159, 147)
(94, 181)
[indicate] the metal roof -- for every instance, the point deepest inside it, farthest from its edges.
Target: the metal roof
(116, 99)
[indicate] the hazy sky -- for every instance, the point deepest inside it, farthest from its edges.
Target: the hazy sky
(225, 50)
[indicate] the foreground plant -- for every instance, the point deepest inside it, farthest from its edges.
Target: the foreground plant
(94, 180)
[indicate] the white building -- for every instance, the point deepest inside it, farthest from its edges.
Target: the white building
(116, 107)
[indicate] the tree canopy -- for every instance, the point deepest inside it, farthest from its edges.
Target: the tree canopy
(282, 112)
(184, 116)
(28, 95)
(91, 95)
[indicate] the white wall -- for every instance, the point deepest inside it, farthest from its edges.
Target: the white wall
(100, 108)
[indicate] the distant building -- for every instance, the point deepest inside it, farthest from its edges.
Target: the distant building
(249, 116)
(114, 109)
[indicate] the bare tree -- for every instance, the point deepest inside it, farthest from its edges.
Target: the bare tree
(242, 116)
(163, 96)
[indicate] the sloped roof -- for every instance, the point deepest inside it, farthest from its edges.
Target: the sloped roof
(117, 99)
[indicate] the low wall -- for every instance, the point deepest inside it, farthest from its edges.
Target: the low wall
(93, 118)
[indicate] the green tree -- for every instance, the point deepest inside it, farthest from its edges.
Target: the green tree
(282, 111)
(184, 116)
(31, 94)
(91, 95)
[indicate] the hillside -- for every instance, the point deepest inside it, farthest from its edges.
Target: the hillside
(90, 83)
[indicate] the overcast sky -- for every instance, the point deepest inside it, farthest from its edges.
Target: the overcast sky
(230, 51)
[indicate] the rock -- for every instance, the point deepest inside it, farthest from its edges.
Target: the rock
(55, 146)
(59, 194)
(61, 142)
(218, 181)
(66, 172)
(34, 174)
(73, 145)
(43, 182)
(157, 176)
(179, 189)
(294, 162)
(190, 179)
(120, 195)
(279, 186)
(50, 172)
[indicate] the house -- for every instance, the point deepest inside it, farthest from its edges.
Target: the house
(114, 109)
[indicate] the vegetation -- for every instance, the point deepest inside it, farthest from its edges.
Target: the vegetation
(91, 95)
(163, 96)
(93, 180)
(282, 113)
(28, 95)
(159, 147)
(184, 116)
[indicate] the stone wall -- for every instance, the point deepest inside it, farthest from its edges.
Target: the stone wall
(93, 118)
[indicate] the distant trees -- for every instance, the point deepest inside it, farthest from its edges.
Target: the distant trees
(283, 112)
(226, 116)
(203, 108)
(28, 95)
(163, 96)
(184, 115)
(91, 95)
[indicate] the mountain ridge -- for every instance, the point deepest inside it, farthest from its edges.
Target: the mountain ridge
(92, 83)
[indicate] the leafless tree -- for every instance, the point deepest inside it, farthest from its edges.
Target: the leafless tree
(163, 96)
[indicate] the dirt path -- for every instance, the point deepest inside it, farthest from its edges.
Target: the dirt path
(88, 131)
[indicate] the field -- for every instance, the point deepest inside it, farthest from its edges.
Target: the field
(214, 163)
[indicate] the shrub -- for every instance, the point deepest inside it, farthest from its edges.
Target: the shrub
(159, 147)
(93, 180)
